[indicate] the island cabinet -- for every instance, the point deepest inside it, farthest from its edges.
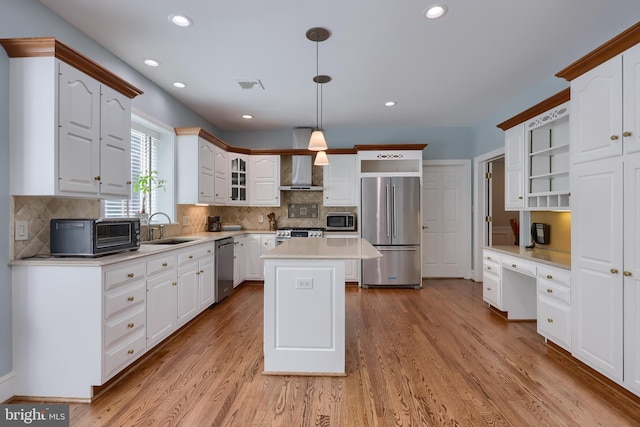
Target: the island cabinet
(605, 156)
(340, 181)
(70, 127)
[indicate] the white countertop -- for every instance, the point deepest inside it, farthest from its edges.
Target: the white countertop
(545, 256)
(323, 248)
(144, 251)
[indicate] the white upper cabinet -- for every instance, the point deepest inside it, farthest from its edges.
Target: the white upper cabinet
(264, 180)
(239, 182)
(514, 168)
(194, 184)
(70, 127)
(340, 180)
(221, 181)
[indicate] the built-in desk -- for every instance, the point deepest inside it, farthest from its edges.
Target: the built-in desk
(304, 304)
(529, 284)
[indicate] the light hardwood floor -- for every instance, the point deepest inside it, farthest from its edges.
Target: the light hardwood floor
(430, 357)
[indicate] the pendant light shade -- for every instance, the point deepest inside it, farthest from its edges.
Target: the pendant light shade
(321, 159)
(317, 141)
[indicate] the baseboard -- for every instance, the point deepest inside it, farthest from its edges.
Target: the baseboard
(6, 387)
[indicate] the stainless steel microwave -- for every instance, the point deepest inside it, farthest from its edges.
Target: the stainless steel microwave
(340, 221)
(94, 237)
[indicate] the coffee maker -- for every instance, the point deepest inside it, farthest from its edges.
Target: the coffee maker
(214, 223)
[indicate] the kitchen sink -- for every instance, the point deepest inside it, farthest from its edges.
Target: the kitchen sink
(169, 241)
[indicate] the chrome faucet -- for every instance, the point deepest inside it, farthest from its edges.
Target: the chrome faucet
(150, 229)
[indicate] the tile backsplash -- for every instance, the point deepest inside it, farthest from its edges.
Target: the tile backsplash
(38, 211)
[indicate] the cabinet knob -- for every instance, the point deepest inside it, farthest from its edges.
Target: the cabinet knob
(131, 351)
(549, 291)
(201, 271)
(614, 137)
(488, 289)
(488, 267)
(130, 275)
(197, 273)
(209, 251)
(97, 178)
(627, 273)
(174, 283)
(164, 264)
(549, 276)
(520, 197)
(550, 320)
(128, 182)
(614, 271)
(190, 256)
(130, 299)
(488, 257)
(130, 325)
(626, 134)
(513, 265)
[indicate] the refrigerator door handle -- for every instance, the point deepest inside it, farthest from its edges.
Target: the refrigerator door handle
(394, 214)
(396, 248)
(387, 196)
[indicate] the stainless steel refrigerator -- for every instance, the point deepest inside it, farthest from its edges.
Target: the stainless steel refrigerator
(390, 221)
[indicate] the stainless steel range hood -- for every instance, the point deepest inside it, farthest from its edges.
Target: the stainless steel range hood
(301, 170)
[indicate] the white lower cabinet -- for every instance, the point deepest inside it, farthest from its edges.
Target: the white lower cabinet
(351, 266)
(239, 260)
(554, 305)
(256, 245)
(491, 279)
(162, 298)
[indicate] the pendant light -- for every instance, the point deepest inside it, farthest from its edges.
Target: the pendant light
(317, 141)
(321, 159)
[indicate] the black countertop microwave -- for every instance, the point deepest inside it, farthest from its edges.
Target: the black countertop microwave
(94, 237)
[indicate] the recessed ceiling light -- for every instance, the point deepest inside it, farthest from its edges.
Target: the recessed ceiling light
(151, 62)
(390, 103)
(179, 85)
(247, 116)
(181, 20)
(436, 11)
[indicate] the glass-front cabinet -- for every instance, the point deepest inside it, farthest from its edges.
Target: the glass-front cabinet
(547, 163)
(238, 174)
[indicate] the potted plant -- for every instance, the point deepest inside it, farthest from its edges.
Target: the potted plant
(144, 183)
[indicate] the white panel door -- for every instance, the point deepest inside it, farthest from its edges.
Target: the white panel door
(631, 100)
(631, 273)
(596, 113)
(514, 168)
(79, 132)
(596, 265)
(115, 143)
(446, 217)
(206, 160)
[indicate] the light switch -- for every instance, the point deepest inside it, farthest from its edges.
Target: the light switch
(22, 230)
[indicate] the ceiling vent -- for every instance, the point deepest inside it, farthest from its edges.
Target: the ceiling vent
(250, 84)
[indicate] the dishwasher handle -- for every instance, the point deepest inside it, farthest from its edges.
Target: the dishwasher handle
(225, 245)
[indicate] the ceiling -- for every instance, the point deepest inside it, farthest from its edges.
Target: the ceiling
(447, 72)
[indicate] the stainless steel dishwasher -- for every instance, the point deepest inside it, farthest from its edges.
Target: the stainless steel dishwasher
(224, 268)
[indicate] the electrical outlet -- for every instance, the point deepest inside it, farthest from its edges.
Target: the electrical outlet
(304, 283)
(260, 219)
(22, 230)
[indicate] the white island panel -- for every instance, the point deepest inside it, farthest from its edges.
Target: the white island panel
(304, 317)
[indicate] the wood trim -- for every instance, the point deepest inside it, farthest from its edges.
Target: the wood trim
(288, 151)
(553, 101)
(49, 46)
(623, 41)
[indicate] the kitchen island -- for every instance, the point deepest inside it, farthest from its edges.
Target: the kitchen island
(304, 304)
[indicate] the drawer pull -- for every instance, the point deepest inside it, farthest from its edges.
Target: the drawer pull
(626, 134)
(549, 291)
(130, 275)
(550, 320)
(549, 276)
(174, 283)
(627, 273)
(209, 251)
(130, 325)
(197, 273)
(488, 289)
(614, 137)
(513, 265)
(190, 256)
(488, 267)
(131, 351)
(201, 271)
(164, 264)
(614, 271)
(488, 257)
(130, 299)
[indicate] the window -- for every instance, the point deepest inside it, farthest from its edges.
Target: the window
(151, 150)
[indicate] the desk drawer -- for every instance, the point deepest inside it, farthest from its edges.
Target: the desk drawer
(117, 276)
(557, 276)
(124, 297)
(123, 354)
(554, 322)
(520, 265)
(127, 323)
(161, 264)
(489, 267)
(559, 293)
